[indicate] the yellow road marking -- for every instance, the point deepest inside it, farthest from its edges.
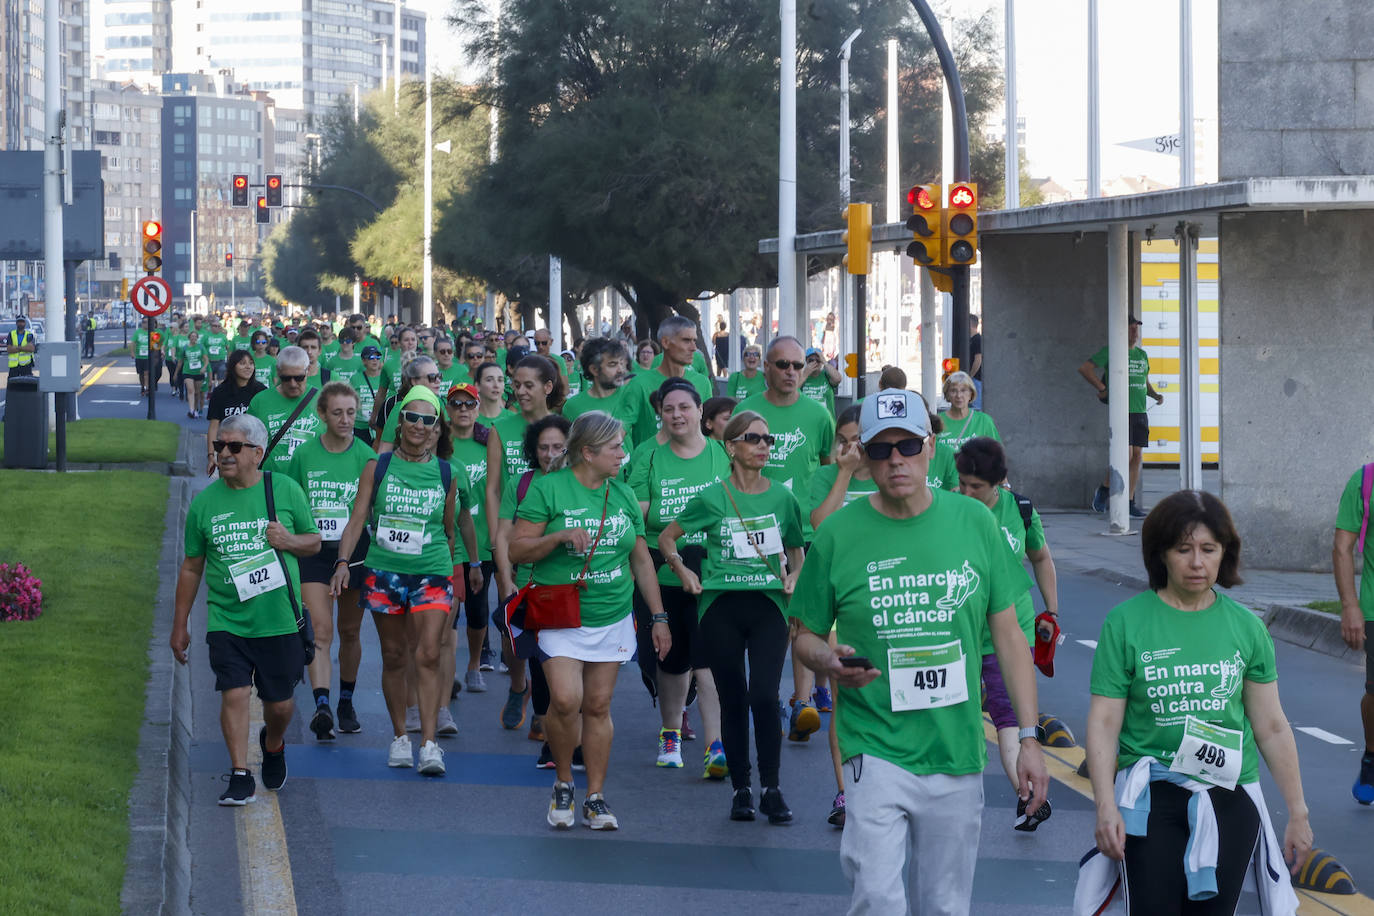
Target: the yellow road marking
(264, 861)
(96, 377)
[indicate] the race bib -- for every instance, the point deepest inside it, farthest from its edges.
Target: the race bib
(257, 575)
(756, 536)
(401, 535)
(1209, 753)
(331, 521)
(927, 677)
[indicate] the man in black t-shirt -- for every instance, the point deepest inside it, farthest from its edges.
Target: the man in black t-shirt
(975, 361)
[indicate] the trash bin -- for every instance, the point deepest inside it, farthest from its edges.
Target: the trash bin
(26, 423)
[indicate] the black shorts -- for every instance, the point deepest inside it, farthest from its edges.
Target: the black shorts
(474, 603)
(687, 652)
(1139, 430)
(273, 664)
(320, 567)
(1369, 656)
(140, 365)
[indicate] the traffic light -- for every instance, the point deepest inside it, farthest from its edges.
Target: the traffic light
(925, 224)
(152, 247)
(961, 225)
(229, 259)
(274, 190)
(240, 190)
(949, 365)
(851, 365)
(264, 215)
(857, 237)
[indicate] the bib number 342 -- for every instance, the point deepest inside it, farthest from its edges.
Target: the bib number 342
(401, 535)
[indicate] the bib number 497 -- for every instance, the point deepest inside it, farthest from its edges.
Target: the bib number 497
(930, 678)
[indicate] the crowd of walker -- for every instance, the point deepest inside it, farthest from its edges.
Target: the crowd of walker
(626, 513)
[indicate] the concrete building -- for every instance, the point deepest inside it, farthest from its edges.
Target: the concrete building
(21, 63)
(126, 121)
(131, 40)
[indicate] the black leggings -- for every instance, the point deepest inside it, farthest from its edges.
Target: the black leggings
(1155, 881)
(539, 687)
(739, 624)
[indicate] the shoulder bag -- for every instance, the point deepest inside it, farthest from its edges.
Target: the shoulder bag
(304, 628)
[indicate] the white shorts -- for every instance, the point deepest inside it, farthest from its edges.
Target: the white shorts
(614, 643)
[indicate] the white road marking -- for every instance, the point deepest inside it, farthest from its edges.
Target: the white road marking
(1090, 643)
(1321, 734)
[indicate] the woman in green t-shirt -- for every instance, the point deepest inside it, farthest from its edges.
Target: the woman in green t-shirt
(961, 421)
(470, 587)
(664, 478)
(264, 363)
(715, 414)
(579, 524)
(751, 523)
(194, 360)
(1184, 692)
(748, 380)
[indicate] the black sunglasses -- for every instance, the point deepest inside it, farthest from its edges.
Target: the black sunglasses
(292, 378)
(785, 364)
(442, 352)
(234, 447)
(756, 438)
(881, 451)
(434, 377)
(475, 354)
(424, 419)
(463, 405)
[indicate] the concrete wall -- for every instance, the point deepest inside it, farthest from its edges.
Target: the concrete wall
(1044, 312)
(1297, 380)
(1296, 88)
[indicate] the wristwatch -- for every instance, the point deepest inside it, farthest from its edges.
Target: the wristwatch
(1031, 731)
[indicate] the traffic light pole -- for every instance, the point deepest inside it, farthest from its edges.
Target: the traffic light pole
(154, 370)
(861, 332)
(959, 347)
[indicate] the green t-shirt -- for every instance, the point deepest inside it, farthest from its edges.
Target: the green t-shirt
(824, 480)
(559, 501)
(1349, 516)
(227, 527)
(698, 363)
(330, 480)
(1138, 375)
(469, 463)
(509, 492)
(818, 389)
(194, 359)
(576, 382)
(408, 520)
(767, 523)
(957, 432)
(805, 432)
(391, 371)
(457, 374)
(264, 367)
(628, 404)
(511, 430)
(244, 342)
(900, 589)
(329, 351)
(941, 473)
(667, 483)
(273, 409)
(739, 386)
(175, 345)
(343, 369)
(368, 387)
(140, 343)
(1168, 664)
(650, 380)
(217, 345)
(1018, 540)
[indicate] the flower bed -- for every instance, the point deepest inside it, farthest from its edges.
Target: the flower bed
(21, 594)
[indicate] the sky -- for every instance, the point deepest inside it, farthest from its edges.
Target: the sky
(1139, 66)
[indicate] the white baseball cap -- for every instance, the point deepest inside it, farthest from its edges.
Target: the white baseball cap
(893, 408)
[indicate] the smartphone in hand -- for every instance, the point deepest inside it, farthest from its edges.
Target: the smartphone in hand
(856, 661)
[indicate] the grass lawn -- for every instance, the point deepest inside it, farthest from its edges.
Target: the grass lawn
(1326, 607)
(119, 351)
(72, 683)
(114, 440)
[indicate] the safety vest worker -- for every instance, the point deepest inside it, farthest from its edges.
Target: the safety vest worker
(21, 361)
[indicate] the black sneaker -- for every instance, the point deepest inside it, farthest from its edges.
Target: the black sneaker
(1027, 823)
(456, 689)
(241, 789)
(1136, 511)
(273, 763)
(774, 806)
(545, 761)
(577, 763)
(742, 805)
(348, 719)
(322, 724)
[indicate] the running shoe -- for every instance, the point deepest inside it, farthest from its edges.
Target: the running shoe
(431, 760)
(399, 755)
(1136, 511)
(836, 817)
(513, 713)
(820, 698)
(714, 766)
(774, 806)
(1363, 790)
(536, 732)
(487, 660)
(322, 723)
(241, 789)
(454, 690)
(446, 727)
(577, 763)
(412, 719)
(803, 722)
(742, 805)
(1027, 823)
(348, 719)
(545, 761)
(502, 667)
(273, 763)
(561, 813)
(596, 815)
(476, 683)
(669, 748)
(687, 733)
(1100, 499)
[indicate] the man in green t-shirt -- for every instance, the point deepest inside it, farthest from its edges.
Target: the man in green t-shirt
(678, 337)
(911, 578)
(249, 564)
(604, 364)
(1357, 607)
(1139, 427)
(275, 406)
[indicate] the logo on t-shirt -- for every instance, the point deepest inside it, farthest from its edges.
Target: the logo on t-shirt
(786, 444)
(959, 585)
(1012, 540)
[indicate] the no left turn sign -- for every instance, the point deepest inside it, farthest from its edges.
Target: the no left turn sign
(151, 296)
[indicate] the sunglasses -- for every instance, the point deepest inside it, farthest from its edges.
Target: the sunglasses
(442, 352)
(750, 354)
(434, 377)
(423, 419)
(291, 378)
(476, 354)
(785, 364)
(756, 438)
(881, 451)
(463, 405)
(234, 447)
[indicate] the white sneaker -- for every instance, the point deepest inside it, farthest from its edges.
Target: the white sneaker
(669, 748)
(446, 727)
(431, 759)
(399, 755)
(561, 814)
(412, 719)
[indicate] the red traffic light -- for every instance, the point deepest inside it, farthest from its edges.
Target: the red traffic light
(962, 196)
(152, 229)
(919, 197)
(262, 203)
(274, 181)
(241, 181)
(950, 364)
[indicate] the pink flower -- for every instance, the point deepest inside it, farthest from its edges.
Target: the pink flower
(21, 593)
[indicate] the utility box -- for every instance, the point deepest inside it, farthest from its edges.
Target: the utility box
(26, 424)
(59, 366)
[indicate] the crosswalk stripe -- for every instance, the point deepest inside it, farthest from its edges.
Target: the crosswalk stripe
(1321, 734)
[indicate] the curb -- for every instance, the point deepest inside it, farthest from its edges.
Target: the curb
(157, 867)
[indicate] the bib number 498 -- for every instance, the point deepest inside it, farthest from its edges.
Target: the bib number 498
(1211, 755)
